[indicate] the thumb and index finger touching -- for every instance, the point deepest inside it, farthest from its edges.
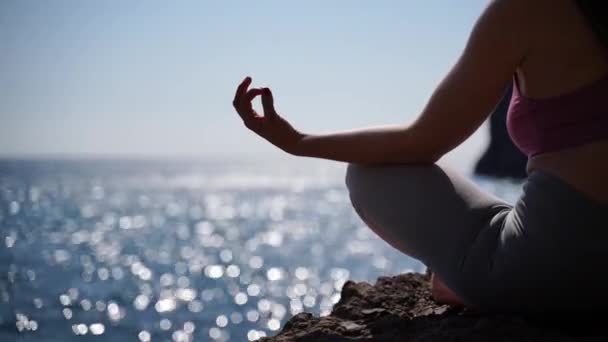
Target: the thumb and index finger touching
(244, 96)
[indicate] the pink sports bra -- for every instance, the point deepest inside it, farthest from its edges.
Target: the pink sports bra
(550, 124)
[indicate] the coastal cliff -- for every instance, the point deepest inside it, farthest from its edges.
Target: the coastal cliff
(400, 308)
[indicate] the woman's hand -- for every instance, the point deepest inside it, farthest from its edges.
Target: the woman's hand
(270, 126)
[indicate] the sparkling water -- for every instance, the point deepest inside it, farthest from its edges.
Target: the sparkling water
(178, 251)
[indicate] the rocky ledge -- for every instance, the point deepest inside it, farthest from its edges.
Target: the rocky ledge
(400, 308)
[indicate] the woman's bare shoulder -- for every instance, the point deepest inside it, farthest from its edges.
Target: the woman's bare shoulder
(564, 52)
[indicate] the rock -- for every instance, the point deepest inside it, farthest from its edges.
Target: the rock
(502, 159)
(348, 325)
(400, 308)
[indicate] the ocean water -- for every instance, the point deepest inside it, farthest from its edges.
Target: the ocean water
(178, 251)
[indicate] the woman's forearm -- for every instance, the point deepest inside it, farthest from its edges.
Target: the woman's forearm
(376, 145)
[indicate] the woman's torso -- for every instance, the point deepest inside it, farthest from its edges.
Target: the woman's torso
(566, 56)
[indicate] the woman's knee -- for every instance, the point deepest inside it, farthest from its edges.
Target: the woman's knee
(390, 199)
(356, 176)
(389, 182)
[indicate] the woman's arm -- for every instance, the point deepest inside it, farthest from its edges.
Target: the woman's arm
(458, 106)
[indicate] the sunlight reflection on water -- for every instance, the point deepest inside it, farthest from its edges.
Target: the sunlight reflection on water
(142, 251)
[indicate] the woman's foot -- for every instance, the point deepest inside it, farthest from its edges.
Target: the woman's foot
(442, 294)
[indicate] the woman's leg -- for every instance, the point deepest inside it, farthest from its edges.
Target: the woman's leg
(443, 294)
(432, 214)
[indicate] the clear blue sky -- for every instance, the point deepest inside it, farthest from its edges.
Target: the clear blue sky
(156, 78)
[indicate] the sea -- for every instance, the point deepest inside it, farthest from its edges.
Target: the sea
(179, 250)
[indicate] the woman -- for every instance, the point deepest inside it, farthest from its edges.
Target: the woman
(548, 250)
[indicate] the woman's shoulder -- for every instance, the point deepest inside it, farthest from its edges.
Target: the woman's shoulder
(541, 14)
(564, 51)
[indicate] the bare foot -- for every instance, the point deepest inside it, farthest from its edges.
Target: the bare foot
(442, 294)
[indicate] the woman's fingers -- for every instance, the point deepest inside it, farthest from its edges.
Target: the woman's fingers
(243, 97)
(268, 103)
(251, 119)
(243, 104)
(240, 91)
(245, 107)
(252, 93)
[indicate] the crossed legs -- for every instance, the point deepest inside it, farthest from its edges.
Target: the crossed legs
(428, 212)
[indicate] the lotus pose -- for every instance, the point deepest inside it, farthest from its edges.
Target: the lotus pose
(484, 252)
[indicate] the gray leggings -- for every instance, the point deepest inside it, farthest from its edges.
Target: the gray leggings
(546, 252)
